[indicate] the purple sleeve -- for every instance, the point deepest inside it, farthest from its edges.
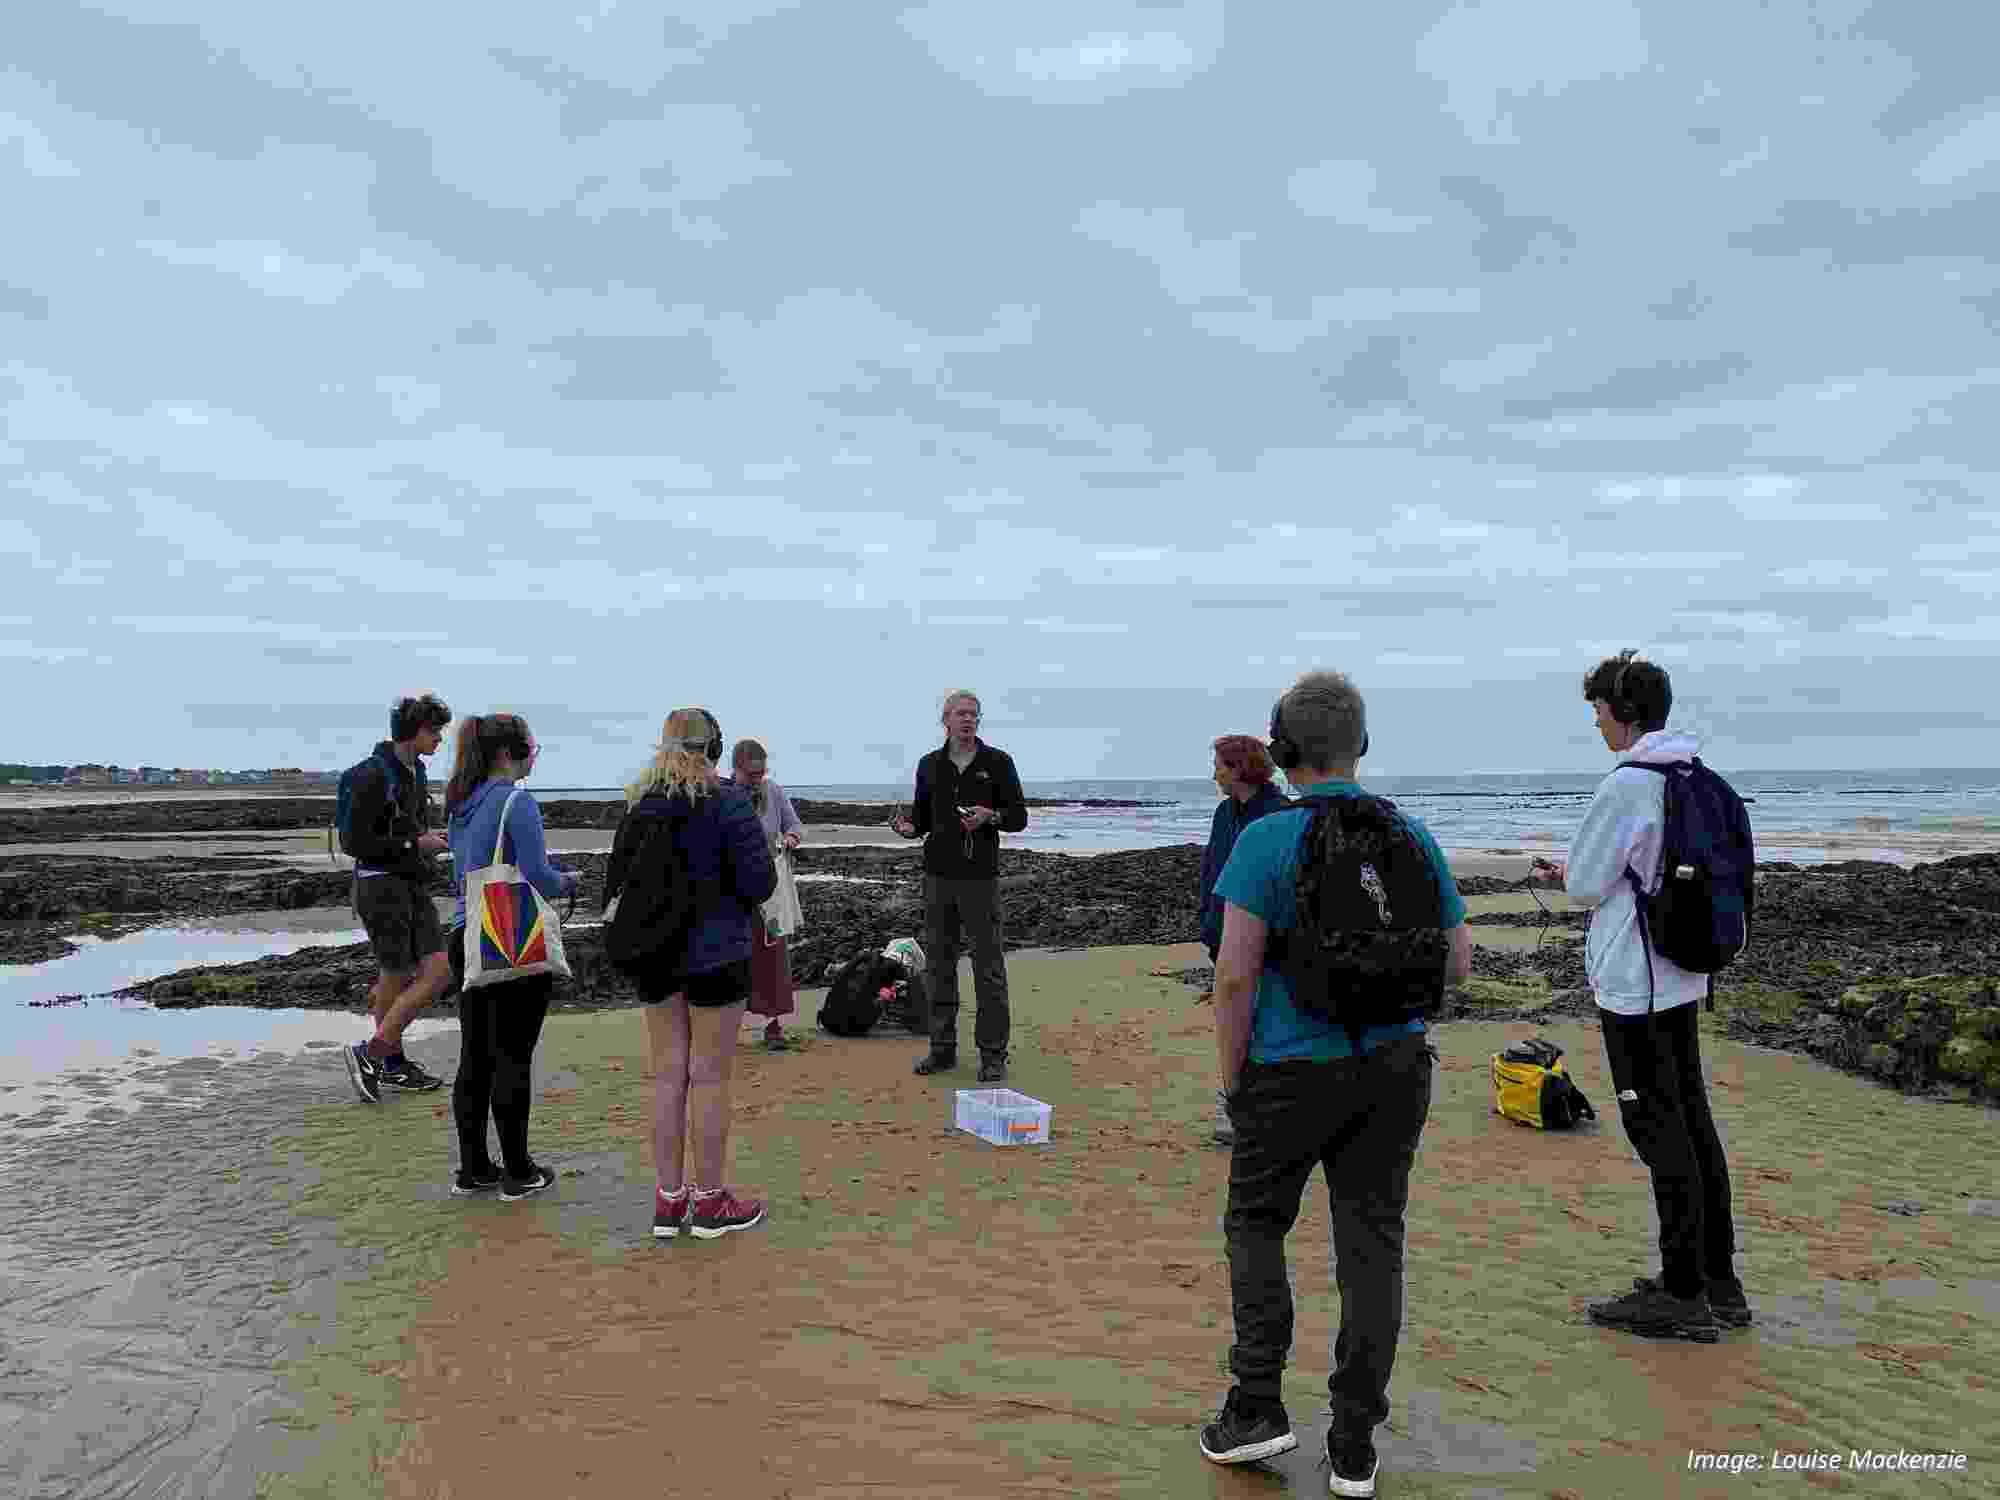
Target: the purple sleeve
(788, 817)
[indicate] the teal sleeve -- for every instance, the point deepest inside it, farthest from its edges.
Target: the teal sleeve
(1246, 880)
(1454, 903)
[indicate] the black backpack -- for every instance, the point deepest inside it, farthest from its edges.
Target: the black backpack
(853, 1002)
(1369, 948)
(343, 797)
(1700, 916)
(657, 898)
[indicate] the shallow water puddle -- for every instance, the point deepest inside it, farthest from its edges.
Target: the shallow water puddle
(59, 1062)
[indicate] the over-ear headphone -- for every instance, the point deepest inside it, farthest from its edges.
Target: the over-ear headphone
(1622, 708)
(1285, 752)
(713, 749)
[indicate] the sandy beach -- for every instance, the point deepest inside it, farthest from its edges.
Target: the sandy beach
(927, 1315)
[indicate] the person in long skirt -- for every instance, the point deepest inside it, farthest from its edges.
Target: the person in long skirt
(770, 964)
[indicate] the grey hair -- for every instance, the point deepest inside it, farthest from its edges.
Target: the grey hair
(1326, 718)
(954, 696)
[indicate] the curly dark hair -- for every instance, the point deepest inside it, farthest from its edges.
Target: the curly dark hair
(413, 714)
(1636, 691)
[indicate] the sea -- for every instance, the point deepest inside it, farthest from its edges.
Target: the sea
(1807, 817)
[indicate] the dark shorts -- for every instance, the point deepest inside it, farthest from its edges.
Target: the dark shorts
(728, 985)
(402, 921)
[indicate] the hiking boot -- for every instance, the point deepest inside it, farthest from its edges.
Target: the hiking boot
(364, 1072)
(1351, 1464)
(935, 1062)
(538, 1179)
(721, 1213)
(410, 1076)
(1225, 1128)
(1245, 1431)
(1651, 1313)
(670, 1214)
(992, 1070)
(1725, 1299)
(466, 1184)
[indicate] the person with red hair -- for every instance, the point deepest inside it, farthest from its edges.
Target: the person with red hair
(1243, 772)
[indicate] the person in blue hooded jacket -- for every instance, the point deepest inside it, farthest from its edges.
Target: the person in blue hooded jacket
(499, 1024)
(1243, 773)
(693, 994)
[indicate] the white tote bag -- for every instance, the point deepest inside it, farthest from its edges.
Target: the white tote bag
(782, 915)
(511, 929)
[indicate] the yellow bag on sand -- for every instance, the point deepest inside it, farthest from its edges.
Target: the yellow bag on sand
(1532, 1087)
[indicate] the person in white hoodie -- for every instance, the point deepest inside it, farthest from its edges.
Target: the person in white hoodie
(1649, 1019)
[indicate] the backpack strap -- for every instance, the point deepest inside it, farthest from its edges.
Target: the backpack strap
(1665, 770)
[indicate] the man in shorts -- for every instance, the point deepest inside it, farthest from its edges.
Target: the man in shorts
(390, 837)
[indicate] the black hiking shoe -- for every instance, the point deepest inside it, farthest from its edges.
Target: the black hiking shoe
(1725, 1299)
(364, 1072)
(411, 1076)
(539, 1179)
(1245, 1431)
(466, 1184)
(935, 1062)
(1651, 1313)
(1351, 1464)
(992, 1070)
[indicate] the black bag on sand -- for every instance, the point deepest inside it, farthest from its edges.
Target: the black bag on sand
(853, 1002)
(655, 896)
(1368, 948)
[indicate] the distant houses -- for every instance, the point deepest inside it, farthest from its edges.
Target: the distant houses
(96, 775)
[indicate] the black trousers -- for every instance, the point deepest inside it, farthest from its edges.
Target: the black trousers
(1359, 1121)
(499, 1026)
(975, 905)
(1656, 1060)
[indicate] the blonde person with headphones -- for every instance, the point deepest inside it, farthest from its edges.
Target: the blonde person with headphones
(694, 990)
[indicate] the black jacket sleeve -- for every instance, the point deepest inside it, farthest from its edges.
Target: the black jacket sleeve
(623, 844)
(1008, 800)
(920, 804)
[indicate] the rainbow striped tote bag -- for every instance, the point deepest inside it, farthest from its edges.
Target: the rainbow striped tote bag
(511, 929)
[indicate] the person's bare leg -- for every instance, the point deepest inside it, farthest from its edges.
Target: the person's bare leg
(382, 994)
(430, 981)
(713, 1034)
(667, 1049)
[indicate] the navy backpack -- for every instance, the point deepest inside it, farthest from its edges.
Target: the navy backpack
(1700, 916)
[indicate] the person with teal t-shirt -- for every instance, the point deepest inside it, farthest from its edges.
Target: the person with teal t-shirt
(1301, 1094)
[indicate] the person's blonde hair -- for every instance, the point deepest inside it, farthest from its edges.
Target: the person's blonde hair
(680, 763)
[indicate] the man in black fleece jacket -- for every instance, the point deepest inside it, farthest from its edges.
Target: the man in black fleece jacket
(967, 795)
(389, 835)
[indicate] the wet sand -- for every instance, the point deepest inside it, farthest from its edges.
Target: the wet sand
(273, 1281)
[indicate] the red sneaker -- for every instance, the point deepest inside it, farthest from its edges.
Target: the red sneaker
(719, 1213)
(670, 1215)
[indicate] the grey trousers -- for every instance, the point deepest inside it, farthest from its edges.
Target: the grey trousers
(975, 905)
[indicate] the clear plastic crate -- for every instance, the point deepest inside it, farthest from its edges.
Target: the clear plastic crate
(1003, 1117)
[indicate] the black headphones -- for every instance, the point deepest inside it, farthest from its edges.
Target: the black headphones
(1285, 752)
(1622, 708)
(713, 749)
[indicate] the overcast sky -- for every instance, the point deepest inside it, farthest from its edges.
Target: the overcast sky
(1119, 361)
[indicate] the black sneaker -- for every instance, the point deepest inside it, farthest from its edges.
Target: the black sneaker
(935, 1062)
(1351, 1465)
(1243, 1432)
(411, 1076)
(466, 1184)
(364, 1072)
(992, 1070)
(539, 1180)
(1725, 1299)
(1650, 1312)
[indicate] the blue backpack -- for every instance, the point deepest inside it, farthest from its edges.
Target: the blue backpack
(1700, 916)
(343, 800)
